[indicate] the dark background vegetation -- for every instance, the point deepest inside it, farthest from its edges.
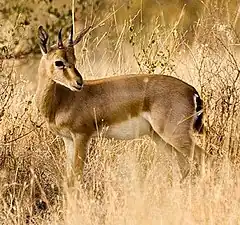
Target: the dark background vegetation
(19, 20)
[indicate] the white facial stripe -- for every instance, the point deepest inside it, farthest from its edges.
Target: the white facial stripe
(67, 86)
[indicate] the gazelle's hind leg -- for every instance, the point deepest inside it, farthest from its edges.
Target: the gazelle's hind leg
(184, 143)
(182, 140)
(183, 162)
(177, 132)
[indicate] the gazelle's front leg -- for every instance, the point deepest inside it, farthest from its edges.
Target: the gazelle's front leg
(69, 148)
(80, 150)
(76, 149)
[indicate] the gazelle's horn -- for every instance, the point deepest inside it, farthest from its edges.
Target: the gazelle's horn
(70, 38)
(80, 36)
(60, 42)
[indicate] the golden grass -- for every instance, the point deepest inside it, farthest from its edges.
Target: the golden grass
(126, 182)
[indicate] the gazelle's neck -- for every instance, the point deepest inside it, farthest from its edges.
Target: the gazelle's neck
(46, 99)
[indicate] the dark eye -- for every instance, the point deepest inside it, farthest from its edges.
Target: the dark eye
(59, 64)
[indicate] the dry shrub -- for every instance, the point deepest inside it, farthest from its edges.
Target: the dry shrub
(215, 55)
(31, 157)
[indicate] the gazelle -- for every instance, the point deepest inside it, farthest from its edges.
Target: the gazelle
(163, 107)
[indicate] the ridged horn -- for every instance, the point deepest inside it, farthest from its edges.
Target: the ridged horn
(70, 38)
(60, 42)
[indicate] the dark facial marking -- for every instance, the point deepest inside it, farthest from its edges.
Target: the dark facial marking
(77, 73)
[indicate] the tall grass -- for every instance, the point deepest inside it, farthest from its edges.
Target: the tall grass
(127, 182)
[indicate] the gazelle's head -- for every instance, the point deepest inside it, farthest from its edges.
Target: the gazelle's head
(59, 61)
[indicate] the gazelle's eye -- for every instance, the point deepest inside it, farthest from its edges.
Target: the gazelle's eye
(59, 64)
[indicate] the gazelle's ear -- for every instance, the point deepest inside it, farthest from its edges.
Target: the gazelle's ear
(81, 35)
(43, 38)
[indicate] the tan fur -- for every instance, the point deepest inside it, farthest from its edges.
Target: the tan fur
(162, 106)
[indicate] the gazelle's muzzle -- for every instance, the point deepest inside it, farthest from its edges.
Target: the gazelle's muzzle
(76, 80)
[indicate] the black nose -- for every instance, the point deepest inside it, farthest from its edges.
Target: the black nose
(79, 83)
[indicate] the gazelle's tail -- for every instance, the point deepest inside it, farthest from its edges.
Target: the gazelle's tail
(198, 123)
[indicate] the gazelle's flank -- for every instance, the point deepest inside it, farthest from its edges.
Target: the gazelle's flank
(164, 107)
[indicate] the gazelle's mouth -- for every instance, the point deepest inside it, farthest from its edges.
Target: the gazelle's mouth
(77, 88)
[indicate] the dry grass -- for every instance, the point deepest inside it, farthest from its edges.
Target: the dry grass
(127, 182)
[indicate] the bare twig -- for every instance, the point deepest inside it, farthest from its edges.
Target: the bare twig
(24, 135)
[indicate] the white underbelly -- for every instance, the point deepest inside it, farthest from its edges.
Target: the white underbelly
(128, 129)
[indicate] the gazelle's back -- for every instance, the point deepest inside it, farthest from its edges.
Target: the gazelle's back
(138, 90)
